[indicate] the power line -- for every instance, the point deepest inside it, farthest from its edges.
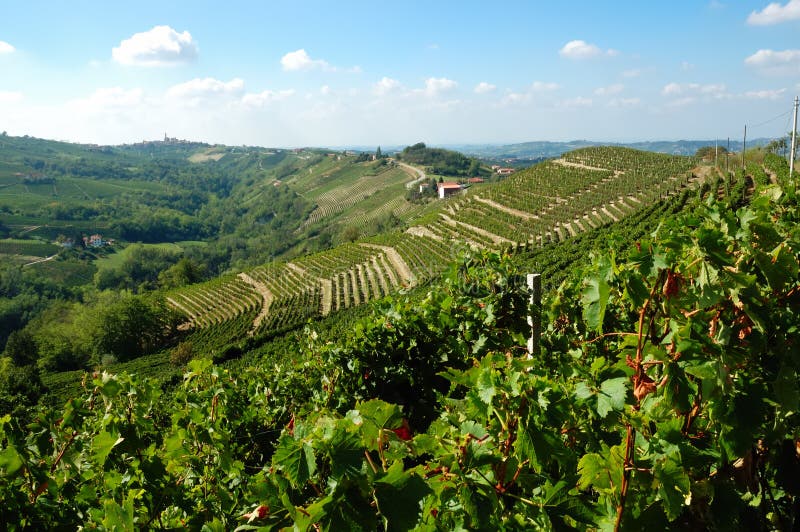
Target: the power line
(771, 119)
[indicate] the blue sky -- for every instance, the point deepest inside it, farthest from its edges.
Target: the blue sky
(324, 73)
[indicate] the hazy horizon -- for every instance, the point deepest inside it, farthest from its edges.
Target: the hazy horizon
(312, 74)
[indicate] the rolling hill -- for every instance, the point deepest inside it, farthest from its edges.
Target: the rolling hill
(549, 202)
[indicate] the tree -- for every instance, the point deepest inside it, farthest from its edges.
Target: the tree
(21, 347)
(350, 234)
(20, 387)
(378, 154)
(129, 328)
(707, 152)
(184, 272)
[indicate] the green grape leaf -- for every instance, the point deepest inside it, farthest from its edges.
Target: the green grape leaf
(612, 395)
(594, 299)
(399, 494)
(485, 385)
(102, 445)
(673, 487)
(295, 458)
(10, 461)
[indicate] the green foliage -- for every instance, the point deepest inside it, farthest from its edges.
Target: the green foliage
(665, 398)
(440, 161)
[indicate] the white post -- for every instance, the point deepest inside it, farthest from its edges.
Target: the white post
(794, 138)
(535, 320)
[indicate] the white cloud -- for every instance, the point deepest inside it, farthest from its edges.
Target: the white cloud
(10, 97)
(775, 13)
(108, 99)
(686, 65)
(624, 102)
(680, 102)
(783, 62)
(161, 46)
(260, 99)
(632, 73)
(205, 87)
(544, 86)
(300, 60)
(437, 86)
(513, 98)
(579, 49)
(616, 88)
(325, 90)
(769, 94)
(578, 101)
(6, 48)
(483, 87)
(386, 85)
(714, 90)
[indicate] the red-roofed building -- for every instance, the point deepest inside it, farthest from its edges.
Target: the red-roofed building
(474, 180)
(448, 188)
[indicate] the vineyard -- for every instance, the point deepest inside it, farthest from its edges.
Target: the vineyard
(547, 203)
(665, 398)
(28, 248)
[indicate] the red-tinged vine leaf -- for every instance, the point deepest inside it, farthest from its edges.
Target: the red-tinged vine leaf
(404, 431)
(672, 284)
(260, 512)
(643, 388)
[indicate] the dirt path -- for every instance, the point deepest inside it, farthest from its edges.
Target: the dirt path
(296, 268)
(509, 210)
(608, 213)
(51, 257)
(412, 170)
(182, 308)
(327, 296)
(379, 273)
(562, 162)
(422, 231)
(396, 261)
(497, 239)
(266, 298)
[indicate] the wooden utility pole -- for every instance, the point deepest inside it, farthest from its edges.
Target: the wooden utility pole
(727, 157)
(794, 137)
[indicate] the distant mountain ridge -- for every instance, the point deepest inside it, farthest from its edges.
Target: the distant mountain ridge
(546, 149)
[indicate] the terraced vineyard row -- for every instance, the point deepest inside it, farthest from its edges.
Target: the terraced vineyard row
(341, 198)
(556, 200)
(547, 203)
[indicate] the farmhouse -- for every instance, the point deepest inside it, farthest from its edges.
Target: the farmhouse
(448, 188)
(505, 171)
(474, 180)
(95, 241)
